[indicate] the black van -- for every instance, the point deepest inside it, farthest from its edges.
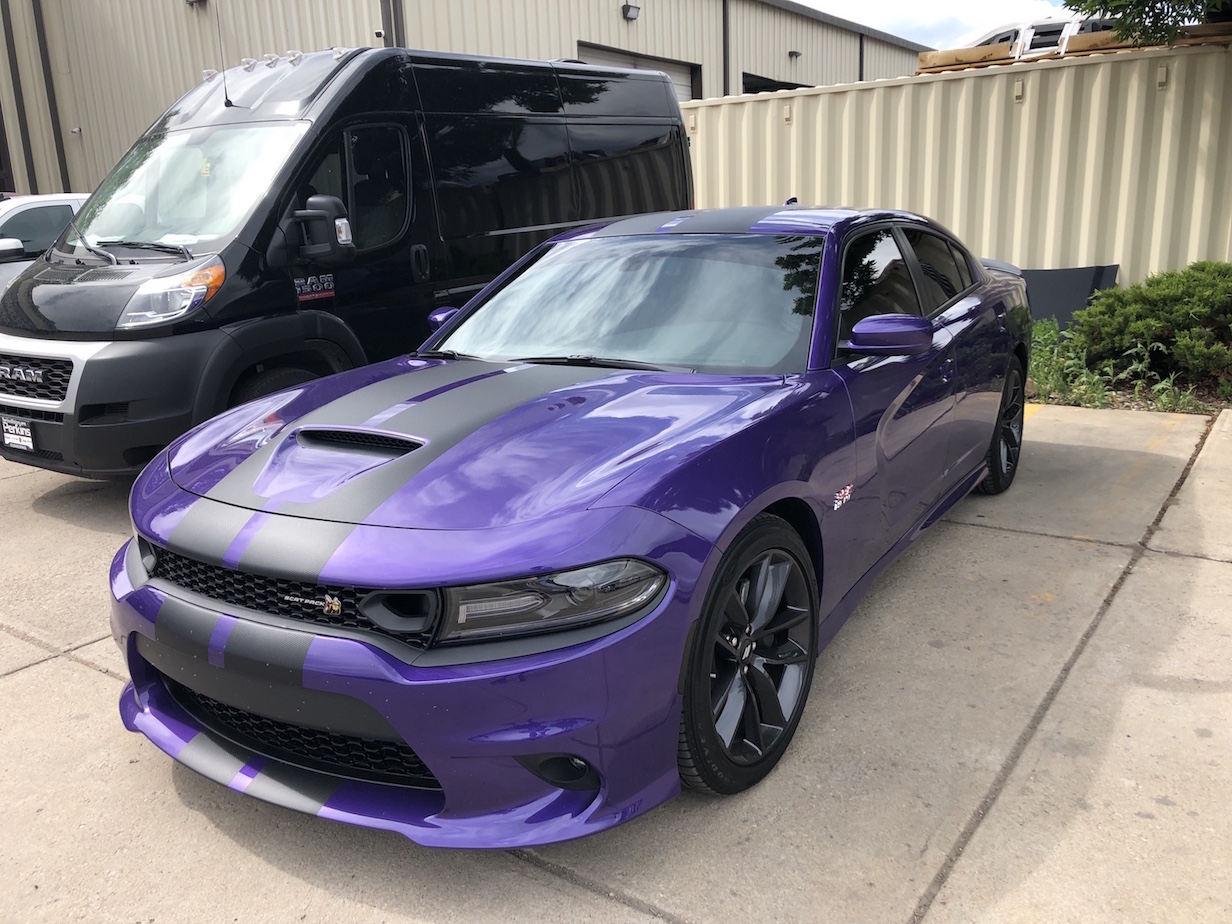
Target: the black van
(304, 214)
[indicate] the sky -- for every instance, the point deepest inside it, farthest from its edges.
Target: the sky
(940, 23)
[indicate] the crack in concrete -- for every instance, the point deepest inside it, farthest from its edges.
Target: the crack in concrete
(1108, 543)
(1041, 711)
(611, 893)
(55, 652)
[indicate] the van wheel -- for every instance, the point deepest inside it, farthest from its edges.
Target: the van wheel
(268, 382)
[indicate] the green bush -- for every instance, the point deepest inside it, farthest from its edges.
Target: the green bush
(1174, 327)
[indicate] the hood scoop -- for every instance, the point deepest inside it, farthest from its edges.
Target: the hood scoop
(311, 464)
(382, 444)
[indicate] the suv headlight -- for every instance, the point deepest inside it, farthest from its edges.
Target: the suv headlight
(169, 298)
(546, 603)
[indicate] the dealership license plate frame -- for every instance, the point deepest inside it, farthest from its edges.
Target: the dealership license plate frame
(18, 433)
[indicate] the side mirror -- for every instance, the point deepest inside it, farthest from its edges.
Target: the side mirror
(437, 319)
(891, 335)
(327, 231)
(12, 249)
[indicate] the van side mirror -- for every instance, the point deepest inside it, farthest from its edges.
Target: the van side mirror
(437, 319)
(327, 231)
(12, 249)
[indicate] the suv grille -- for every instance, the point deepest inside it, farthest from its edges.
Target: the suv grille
(291, 599)
(343, 755)
(55, 374)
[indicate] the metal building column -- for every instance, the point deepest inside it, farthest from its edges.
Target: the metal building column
(23, 127)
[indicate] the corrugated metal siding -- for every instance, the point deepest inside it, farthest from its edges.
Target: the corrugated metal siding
(38, 117)
(680, 30)
(763, 35)
(883, 60)
(113, 98)
(1096, 164)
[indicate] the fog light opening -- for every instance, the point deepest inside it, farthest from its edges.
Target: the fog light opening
(564, 771)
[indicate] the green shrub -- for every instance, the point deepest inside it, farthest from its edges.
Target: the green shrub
(1174, 326)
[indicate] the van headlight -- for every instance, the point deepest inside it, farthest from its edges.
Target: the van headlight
(548, 602)
(169, 298)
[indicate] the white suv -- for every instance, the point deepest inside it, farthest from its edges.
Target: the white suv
(28, 225)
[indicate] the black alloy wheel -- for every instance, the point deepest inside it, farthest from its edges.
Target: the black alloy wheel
(1006, 448)
(752, 660)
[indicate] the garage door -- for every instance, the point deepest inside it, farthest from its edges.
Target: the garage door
(681, 74)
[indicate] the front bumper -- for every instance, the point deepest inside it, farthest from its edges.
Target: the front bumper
(124, 401)
(611, 702)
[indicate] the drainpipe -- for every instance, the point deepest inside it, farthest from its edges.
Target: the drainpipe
(53, 109)
(861, 56)
(23, 126)
(726, 47)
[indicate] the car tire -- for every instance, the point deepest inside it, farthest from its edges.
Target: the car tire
(751, 661)
(1006, 449)
(268, 382)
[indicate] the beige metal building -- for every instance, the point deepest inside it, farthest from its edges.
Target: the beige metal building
(80, 79)
(1122, 158)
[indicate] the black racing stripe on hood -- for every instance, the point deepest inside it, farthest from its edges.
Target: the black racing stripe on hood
(207, 531)
(351, 409)
(442, 420)
(292, 549)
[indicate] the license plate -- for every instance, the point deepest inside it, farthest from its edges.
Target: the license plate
(17, 433)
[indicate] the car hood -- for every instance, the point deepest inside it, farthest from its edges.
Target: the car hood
(438, 444)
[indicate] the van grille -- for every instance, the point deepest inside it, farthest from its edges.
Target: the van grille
(345, 755)
(54, 375)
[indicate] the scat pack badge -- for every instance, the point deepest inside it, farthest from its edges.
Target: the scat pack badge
(841, 497)
(310, 288)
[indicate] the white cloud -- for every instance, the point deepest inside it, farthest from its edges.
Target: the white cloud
(943, 23)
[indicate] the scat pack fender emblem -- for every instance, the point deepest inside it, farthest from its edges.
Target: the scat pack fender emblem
(841, 497)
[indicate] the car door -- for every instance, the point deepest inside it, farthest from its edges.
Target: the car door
(902, 405)
(982, 344)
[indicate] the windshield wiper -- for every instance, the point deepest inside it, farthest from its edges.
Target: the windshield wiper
(109, 257)
(152, 245)
(606, 362)
(444, 354)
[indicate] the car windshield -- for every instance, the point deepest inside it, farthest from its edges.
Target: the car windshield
(721, 303)
(184, 189)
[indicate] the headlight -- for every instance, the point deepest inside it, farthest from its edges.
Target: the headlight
(168, 298)
(566, 599)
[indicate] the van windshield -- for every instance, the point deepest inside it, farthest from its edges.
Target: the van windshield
(184, 189)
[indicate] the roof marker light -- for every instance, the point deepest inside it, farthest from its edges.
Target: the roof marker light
(208, 74)
(295, 56)
(339, 51)
(248, 63)
(270, 59)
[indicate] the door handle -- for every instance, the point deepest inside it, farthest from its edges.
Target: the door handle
(421, 266)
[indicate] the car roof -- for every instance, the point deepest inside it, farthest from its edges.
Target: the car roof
(9, 202)
(782, 219)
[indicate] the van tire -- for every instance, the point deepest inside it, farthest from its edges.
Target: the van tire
(268, 382)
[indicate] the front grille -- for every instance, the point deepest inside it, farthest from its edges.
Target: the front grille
(270, 595)
(29, 413)
(343, 755)
(55, 374)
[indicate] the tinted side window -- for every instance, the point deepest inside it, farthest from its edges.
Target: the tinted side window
(875, 281)
(473, 87)
(964, 265)
(941, 278)
(374, 189)
(495, 174)
(378, 185)
(624, 168)
(37, 228)
(594, 93)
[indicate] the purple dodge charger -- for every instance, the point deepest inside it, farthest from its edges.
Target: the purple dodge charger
(583, 546)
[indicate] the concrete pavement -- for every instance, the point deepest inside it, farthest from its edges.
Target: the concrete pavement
(1027, 719)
